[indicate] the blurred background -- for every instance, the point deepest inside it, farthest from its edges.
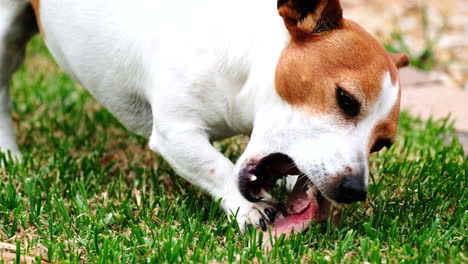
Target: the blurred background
(90, 191)
(435, 35)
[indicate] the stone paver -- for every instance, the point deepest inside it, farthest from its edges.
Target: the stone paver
(425, 96)
(437, 100)
(413, 77)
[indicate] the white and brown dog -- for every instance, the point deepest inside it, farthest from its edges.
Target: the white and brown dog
(314, 91)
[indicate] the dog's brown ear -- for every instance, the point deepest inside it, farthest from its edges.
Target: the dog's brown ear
(310, 17)
(400, 59)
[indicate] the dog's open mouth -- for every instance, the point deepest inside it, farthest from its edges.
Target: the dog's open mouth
(305, 203)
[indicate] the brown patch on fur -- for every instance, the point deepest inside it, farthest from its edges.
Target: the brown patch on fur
(387, 128)
(400, 59)
(309, 70)
(310, 17)
(211, 171)
(36, 5)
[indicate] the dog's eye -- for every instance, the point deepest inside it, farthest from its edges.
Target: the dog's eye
(347, 102)
(380, 144)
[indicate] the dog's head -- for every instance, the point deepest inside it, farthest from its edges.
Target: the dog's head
(337, 100)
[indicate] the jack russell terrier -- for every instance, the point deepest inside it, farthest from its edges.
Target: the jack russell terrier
(314, 91)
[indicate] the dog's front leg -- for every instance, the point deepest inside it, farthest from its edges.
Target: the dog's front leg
(188, 150)
(17, 26)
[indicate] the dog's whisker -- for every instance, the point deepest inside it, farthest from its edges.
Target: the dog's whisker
(306, 182)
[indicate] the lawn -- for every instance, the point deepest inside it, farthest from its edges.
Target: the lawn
(90, 191)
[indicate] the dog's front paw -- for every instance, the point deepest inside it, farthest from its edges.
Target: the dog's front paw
(258, 214)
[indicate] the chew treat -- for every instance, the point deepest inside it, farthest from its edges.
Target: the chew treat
(302, 208)
(305, 205)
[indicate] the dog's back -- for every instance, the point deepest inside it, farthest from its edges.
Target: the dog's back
(121, 51)
(17, 25)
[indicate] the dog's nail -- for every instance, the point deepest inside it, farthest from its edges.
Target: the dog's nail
(249, 227)
(263, 224)
(270, 214)
(282, 209)
(252, 178)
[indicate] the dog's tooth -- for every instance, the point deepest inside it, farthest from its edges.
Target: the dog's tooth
(264, 194)
(252, 178)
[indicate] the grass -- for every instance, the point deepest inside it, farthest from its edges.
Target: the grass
(89, 191)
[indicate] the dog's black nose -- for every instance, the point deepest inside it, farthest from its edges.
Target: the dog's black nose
(352, 189)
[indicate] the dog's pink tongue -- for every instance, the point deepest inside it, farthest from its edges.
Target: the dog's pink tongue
(302, 208)
(296, 222)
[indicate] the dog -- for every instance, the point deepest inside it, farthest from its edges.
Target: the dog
(314, 91)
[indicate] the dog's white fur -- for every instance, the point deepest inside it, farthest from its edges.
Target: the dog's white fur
(186, 74)
(10, 59)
